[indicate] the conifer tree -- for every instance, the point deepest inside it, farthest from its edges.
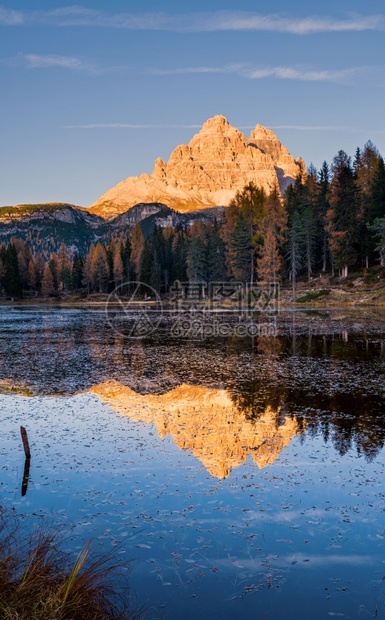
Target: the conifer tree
(250, 203)
(295, 248)
(87, 269)
(322, 208)
(365, 170)
(47, 284)
(275, 217)
(31, 279)
(99, 269)
(12, 280)
(179, 255)
(137, 247)
(54, 266)
(343, 223)
(145, 271)
(77, 272)
(64, 266)
(39, 269)
(117, 268)
(216, 259)
(125, 253)
(241, 248)
(377, 193)
(197, 261)
(23, 268)
(110, 254)
(269, 259)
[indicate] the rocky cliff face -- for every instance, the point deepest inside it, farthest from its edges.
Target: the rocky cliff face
(208, 171)
(286, 167)
(205, 421)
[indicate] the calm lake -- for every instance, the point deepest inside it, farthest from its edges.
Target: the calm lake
(237, 477)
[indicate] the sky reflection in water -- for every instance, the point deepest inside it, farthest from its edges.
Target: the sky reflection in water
(250, 473)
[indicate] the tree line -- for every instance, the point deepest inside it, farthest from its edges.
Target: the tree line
(328, 221)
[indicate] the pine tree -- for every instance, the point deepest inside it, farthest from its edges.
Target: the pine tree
(241, 249)
(308, 224)
(12, 280)
(54, 266)
(197, 261)
(179, 255)
(377, 193)
(365, 171)
(158, 280)
(295, 248)
(378, 230)
(39, 269)
(99, 269)
(216, 258)
(343, 223)
(322, 208)
(146, 263)
(87, 269)
(168, 236)
(118, 268)
(250, 204)
(110, 254)
(77, 272)
(47, 285)
(275, 217)
(137, 247)
(31, 280)
(125, 253)
(64, 266)
(23, 269)
(269, 259)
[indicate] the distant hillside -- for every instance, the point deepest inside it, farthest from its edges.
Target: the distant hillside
(46, 226)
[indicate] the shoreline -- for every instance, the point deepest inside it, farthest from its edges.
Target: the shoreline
(286, 307)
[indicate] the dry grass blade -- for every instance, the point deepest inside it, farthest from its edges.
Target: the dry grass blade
(37, 580)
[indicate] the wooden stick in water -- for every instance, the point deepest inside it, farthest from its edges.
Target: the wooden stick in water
(24, 486)
(24, 437)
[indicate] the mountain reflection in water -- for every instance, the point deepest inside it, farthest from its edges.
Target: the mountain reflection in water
(221, 398)
(206, 422)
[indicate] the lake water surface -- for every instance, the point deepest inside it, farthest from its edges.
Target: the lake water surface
(244, 477)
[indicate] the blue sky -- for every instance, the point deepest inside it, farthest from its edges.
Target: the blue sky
(93, 92)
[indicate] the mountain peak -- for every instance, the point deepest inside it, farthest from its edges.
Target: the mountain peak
(208, 171)
(217, 123)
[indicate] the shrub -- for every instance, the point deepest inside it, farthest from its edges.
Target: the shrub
(312, 296)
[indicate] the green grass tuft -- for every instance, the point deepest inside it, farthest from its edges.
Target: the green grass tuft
(312, 296)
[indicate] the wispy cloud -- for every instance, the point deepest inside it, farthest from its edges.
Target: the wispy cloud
(348, 128)
(194, 22)
(302, 74)
(297, 72)
(8, 17)
(294, 25)
(315, 128)
(49, 61)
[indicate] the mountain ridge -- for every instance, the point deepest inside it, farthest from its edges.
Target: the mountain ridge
(207, 172)
(45, 226)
